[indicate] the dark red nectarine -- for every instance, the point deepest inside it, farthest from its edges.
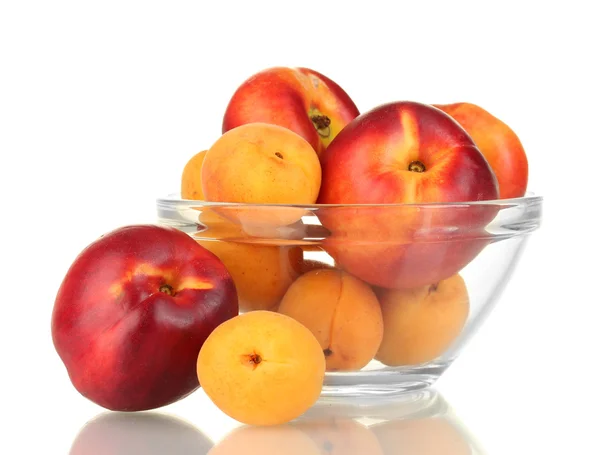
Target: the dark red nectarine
(132, 313)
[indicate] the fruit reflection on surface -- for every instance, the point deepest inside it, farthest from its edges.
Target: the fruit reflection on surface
(417, 424)
(429, 436)
(341, 311)
(421, 323)
(340, 436)
(149, 433)
(498, 143)
(132, 313)
(262, 368)
(300, 99)
(275, 440)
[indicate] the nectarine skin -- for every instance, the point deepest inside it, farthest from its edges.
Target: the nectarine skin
(296, 98)
(498, 143)
(405, 153)
(132, 313)
(370, 161)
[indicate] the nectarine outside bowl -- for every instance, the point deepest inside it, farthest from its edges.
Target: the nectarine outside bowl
(392, 292)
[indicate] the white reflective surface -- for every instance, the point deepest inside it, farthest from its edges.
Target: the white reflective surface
(420, 423)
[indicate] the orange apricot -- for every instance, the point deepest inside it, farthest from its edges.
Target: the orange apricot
(421, 323)
(262, 163)
(261, 368)
(191, 178)
(191, 189)
(262, 273)
(341, 311)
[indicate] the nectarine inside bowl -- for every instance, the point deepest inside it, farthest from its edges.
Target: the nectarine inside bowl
(392, 292)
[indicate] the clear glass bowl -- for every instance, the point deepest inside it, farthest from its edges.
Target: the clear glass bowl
(433, 270)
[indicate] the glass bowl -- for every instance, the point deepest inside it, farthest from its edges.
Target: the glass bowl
(393, 292)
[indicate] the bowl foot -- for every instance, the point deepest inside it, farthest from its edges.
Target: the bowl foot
(384, 382)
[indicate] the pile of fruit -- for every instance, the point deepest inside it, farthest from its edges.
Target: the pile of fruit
(147, 314)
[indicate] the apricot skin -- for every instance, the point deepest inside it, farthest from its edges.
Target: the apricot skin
(262, 368)
(191, 178)
(421, 323)
(261, 273)
(261, 163)
(341, 311)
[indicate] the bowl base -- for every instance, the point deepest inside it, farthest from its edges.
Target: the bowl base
(386, 382)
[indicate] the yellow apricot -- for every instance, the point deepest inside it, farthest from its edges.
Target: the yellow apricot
(341, 311)
(421, 323)
(262, 163)
(261, 273)
(191, 178)
(262, 368)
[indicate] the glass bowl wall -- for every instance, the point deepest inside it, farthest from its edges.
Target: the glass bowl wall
(435, 269)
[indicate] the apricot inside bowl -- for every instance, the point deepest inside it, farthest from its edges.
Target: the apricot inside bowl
(392, 292)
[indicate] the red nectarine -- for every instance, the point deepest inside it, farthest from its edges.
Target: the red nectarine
(405, 153)
(132, 313)
(300, 99)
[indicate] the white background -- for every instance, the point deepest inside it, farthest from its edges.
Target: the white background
(101, 105)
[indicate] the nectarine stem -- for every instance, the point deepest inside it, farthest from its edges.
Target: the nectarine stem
(321, 123)
(416, 166)
(166, 289)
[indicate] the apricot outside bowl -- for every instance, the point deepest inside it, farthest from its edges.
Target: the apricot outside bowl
(436, 270)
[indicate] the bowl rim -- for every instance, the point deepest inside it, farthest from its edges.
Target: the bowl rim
(529, 199)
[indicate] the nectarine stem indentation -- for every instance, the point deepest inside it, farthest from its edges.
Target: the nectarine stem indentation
(166, 289)
(321, 123)
(416, 166)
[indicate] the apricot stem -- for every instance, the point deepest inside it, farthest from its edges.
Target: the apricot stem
(166, 289)
(416, 166)
(321, 123)
(327, 352)
(253, 360)
(278, 155)
(433, 287)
